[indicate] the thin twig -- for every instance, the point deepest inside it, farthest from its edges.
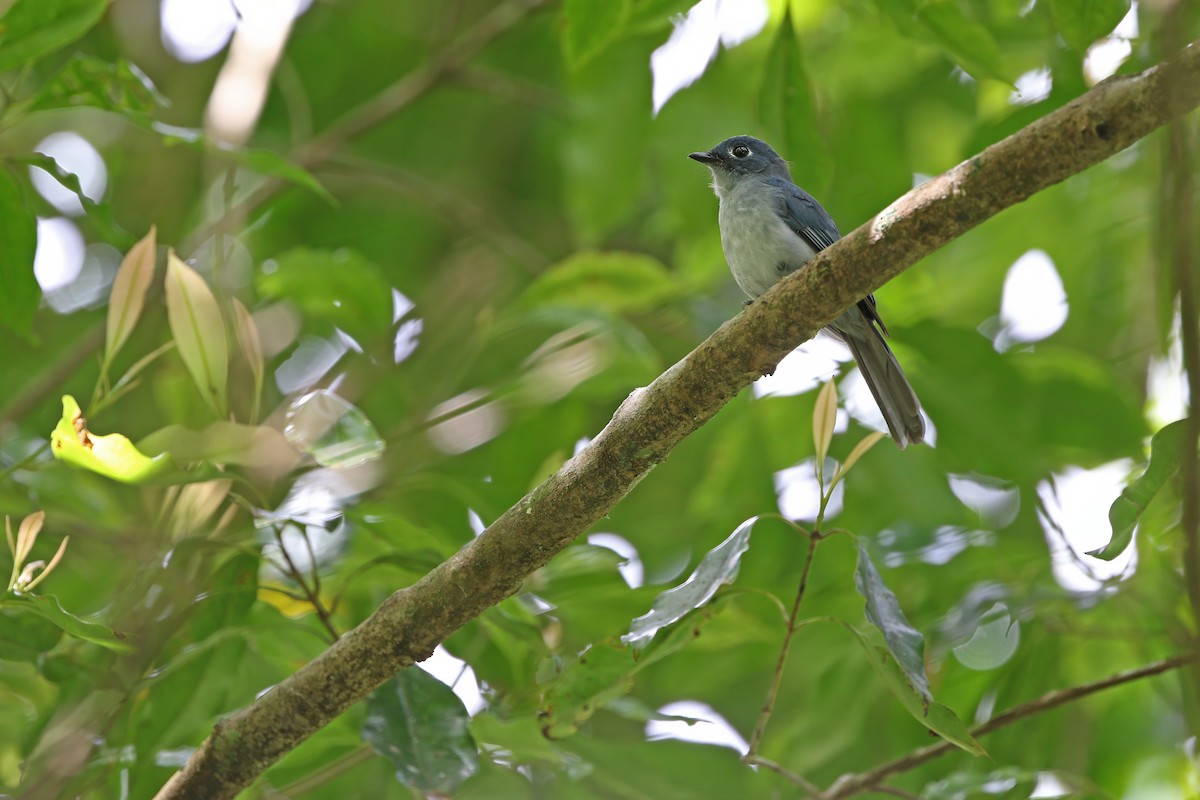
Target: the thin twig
(777, 678)
(850, 785)
(311, 597)
(759, 761)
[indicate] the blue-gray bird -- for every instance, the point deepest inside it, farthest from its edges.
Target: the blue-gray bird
(770, 227)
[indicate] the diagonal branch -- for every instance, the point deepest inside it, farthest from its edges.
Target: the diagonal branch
(850, 785)
(651, 421)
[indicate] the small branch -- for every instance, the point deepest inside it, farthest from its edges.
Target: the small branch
(777, 678)
(850, 785)
(759, 761)
(312, 597)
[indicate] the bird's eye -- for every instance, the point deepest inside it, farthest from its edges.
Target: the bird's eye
(741, 151)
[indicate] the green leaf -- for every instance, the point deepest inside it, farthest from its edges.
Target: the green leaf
(944, 23)
(32, 28)
(19, 290)
(420, 725)
(602, 673)
(524, 743)
(1166, 450)
(266, 162)
(605, 672)
(128, 294)
(787, 110)
(25, 636)
(616, 282)
(715, 570)
(113, 455)
(198, 330)
(1082, 22)
(230, 593)
(89, 81)
(589, 26)
(256, 446)
(904, 642)
(933, 715)
(99, 213)
(339, 287)
(263, 162)
(48, 607)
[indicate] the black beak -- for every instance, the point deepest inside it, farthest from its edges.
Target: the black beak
(706, 157)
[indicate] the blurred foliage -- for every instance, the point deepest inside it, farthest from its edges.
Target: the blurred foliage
(455, 241)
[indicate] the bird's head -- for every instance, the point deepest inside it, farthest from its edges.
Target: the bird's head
(739, 157)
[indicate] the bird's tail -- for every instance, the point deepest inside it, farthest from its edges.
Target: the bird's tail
(892, 391)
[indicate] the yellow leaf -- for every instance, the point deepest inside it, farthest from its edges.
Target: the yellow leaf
(113, 456)
(249, 341)
(279, 596)
(129, 293)
(824, 417)
(198, 330)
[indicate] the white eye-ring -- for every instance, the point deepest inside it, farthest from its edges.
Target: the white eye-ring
(740, 151)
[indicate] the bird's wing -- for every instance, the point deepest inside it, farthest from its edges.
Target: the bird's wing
(804, 215)
(812, 223)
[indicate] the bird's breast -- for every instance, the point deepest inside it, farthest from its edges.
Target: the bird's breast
(758, 244)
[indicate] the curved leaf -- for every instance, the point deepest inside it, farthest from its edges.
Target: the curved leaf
(1166, 450)
(198, 329)
(129, 293)
(933, 715)
(113, 455)
(824, 418)
(32, 28)
(255, 446)
(616, 282)
(904, 642)
(19, 290)
(48, 607)
(1082, 22)
(251, 345)
(717, 568)
(420, 725)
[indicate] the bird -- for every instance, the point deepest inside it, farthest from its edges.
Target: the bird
(769, 228)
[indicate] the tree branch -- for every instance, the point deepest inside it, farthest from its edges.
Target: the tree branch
(647, 426)
(850, 785)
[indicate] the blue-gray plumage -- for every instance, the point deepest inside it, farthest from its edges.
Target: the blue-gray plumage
(771, 227)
